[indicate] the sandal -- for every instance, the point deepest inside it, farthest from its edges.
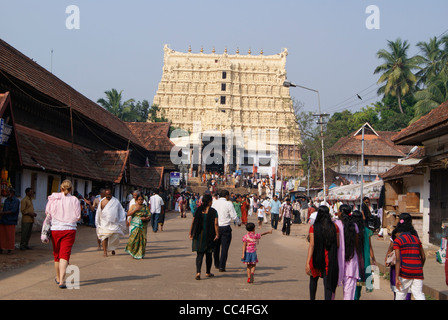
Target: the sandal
(198, 277)
(209, 275)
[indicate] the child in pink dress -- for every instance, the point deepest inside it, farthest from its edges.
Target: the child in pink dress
(249, 256)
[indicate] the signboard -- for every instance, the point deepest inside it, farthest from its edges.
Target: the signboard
(174, 179)
(5, 132)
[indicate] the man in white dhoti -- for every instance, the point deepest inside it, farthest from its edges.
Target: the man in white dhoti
(110, 222)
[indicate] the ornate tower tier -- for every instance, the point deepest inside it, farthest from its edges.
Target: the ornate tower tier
(227, 92)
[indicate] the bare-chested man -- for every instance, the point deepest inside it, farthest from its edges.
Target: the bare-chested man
(110, 222)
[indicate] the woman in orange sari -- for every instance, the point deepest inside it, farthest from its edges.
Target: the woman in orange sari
(244, 209)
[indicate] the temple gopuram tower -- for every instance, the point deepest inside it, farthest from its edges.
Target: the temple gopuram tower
(232, 92)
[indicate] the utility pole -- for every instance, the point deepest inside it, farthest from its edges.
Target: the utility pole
(321, 123)
(308, 186)
(321, 116)
(362, 169)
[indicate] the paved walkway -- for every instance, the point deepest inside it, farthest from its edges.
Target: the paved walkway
(168, 271)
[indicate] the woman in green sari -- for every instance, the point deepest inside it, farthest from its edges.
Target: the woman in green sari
(141, 215)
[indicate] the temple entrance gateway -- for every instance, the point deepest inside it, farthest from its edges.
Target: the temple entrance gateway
(237, 98)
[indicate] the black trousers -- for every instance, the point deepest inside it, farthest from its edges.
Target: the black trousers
(222, 247)
(274, 220)
(286, 226)
(208, 261)
(328, 294)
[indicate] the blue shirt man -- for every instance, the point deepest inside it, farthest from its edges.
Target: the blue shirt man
(275, 209)
(11, 206)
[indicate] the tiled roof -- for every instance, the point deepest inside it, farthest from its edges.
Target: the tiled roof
(43, 151)
(153, 136)
(146, 177)
(399, 171)
(426, 127)
(17, 65)
(40, 150)
(374, 145)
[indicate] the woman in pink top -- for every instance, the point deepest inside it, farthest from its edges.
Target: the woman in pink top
(249, 257)
(63, 211)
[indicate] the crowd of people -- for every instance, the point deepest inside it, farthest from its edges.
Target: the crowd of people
(339, 251)
(216, 180)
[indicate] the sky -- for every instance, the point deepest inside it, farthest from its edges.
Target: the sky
(119, 44)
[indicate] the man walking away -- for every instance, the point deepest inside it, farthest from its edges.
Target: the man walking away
(275, 210)
(156, 203)
(226, 213)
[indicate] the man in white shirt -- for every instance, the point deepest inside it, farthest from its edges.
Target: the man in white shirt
(156, 203)
(226, 213)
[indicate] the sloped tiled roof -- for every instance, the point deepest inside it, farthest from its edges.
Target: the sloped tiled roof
(43, 151)
(379, 144)
(153, 136)
(399, 171)
(147, 177)
(427, 127)
(40, 150)
(14, 64)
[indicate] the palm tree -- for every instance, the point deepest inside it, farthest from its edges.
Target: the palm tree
(433, 59)
(114, 105)
(397, 70)
(432, 96)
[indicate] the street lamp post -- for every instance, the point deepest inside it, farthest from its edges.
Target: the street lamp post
(362, 169)
(320, 115)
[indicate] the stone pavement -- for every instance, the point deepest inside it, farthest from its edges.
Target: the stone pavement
(168, 270)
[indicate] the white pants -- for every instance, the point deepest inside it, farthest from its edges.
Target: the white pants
(416, 287)
(349, 287)
(303, 215)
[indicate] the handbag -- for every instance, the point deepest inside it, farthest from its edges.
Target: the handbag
(373, 223)
(45, 234)
(391, 259)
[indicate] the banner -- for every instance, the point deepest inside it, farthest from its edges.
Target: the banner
(174, 179)
(5, 132)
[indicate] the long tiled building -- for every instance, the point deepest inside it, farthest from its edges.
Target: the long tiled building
(57, 133)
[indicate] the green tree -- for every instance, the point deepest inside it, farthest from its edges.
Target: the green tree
(141, 110)
(114, 104)
(389, 117)
(434, 58)
(152, 114)
(397, 70)
(432, 96)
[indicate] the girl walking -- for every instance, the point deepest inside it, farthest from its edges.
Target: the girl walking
(322, 259)
(348, 252)
(410, 258)
(366, 256)
(260, 215)
(249, 256)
